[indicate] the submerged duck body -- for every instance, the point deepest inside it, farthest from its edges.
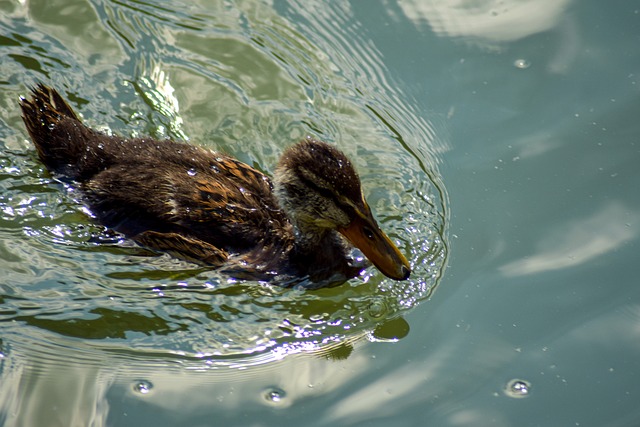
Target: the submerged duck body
(211, 208)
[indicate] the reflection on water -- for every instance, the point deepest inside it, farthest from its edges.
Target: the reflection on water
(539, 136)
(579, 242)
(100, 389)
(243, 79)
(158, 93)
(488, 20)
(491, 24)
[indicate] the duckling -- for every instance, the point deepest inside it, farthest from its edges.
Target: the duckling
(204, 206)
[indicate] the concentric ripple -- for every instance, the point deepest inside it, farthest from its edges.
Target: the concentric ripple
(248, 80)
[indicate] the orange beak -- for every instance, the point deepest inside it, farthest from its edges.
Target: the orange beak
(364, 233)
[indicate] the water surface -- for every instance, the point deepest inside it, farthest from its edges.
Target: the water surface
(496, 139)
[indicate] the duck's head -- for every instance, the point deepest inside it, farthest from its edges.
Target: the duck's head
(320, 189)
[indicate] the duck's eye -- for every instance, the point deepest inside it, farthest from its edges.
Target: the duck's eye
(368, 232)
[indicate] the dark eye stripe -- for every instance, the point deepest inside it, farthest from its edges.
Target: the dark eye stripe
(328, 194)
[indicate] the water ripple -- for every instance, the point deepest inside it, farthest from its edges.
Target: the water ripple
(246, 79)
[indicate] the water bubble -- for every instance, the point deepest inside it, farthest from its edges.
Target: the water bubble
(142, 387)
(518, 388)
(274, 395)
(377, 309)
(51, 126)
(521, 63)
(192, 172)
(318, 317)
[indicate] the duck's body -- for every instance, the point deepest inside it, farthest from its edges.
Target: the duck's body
(209, 207)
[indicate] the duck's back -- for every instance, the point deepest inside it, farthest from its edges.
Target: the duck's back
(171, 189)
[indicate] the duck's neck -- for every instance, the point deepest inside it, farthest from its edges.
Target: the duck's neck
(309, 239)
(324, 258)
(321, 246)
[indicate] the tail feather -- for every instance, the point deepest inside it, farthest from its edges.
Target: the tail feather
(58, 134)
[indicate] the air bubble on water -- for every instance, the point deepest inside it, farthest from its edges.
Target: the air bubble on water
(274, 395)
(377, 309)
(318, 317)
(142, 387)
(518, 388)
(521, 63)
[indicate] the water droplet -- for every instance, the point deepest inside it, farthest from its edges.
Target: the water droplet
(101, 146)
(521, 63)
(142, 387)
(51, 126)
(377, 309)
(191, 172)
(274, 395)
(518, 388)
(318, 317)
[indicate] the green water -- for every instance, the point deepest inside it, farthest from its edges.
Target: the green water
(498, 145)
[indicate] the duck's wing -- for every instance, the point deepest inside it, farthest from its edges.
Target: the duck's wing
(184, 247)
(201, 252)
(205, 196)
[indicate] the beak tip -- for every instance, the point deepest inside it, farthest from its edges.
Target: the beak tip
(405, 272)
(401, 272)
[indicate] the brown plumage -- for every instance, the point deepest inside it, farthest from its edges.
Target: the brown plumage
(210, 208)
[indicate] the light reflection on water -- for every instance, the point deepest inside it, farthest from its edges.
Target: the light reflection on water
(101, 385)
(579, 242)
(486, 21)
(529, 110)
(247, 81)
